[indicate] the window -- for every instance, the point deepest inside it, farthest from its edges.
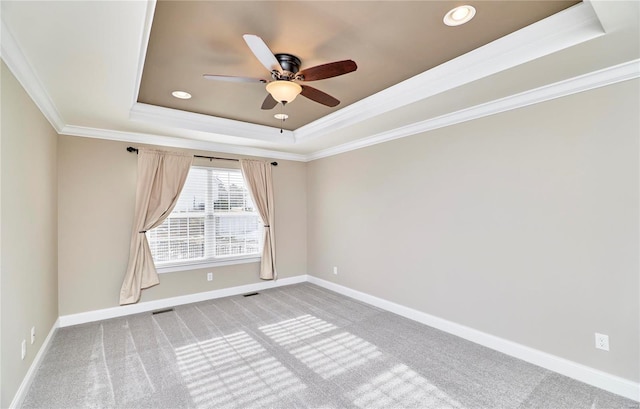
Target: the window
(214, 221)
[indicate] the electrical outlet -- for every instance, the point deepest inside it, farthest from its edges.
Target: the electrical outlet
(24, 348)
(209, 276)
(335, 270)
(33, 335)
(602, 341)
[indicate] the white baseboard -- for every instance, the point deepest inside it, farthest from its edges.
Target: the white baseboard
(591, 376)
(114, 312)
(91, 316)
(28, 378)
(582, 373)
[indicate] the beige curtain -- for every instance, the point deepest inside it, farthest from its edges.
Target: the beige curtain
(161, 176)
(257, 174)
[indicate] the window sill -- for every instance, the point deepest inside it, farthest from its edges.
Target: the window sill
(208, 264)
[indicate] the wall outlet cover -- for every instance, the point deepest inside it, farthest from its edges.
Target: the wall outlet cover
(602, 341)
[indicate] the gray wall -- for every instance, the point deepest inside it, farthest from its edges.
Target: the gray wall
(28, 290)
(97, 183)
(523, 225)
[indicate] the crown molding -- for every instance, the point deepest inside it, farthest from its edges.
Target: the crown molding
(572, 26)
(559, 31)
(205, 123)
(596, 79)
(567, 28)
(160, 140)
(19, 65)
(144, 43)
(608, 76)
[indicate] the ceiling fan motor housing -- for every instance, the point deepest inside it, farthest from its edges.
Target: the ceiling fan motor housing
(289, 63)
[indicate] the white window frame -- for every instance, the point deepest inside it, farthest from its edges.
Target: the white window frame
(209, 216)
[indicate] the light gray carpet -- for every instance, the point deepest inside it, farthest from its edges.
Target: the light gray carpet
(299, 346)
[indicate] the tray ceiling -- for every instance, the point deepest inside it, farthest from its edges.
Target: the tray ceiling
(105, 69)
(390, 41)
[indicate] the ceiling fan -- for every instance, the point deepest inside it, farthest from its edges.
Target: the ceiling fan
(285, 71)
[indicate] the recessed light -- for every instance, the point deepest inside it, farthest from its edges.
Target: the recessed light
(459, 15)
(281, 116)
(181, 94)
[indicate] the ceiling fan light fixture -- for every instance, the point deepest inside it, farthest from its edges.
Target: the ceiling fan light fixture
(459, 15)
(284, 91)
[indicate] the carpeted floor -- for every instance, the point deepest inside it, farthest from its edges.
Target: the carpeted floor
(299, 346)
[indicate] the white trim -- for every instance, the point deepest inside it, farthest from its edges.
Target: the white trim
(18, 64)
(596, 79)
(582, 373)
(144, 43)
(208, 264)
(107, 313)
(18, 398)
(152, 139)
(607, 76)
(567, 28)
(572, 26)
(206, 123)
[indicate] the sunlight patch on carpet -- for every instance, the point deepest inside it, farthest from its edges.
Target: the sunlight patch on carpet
(296, 329)
(400, 387)
(234, 368)
(334, 355)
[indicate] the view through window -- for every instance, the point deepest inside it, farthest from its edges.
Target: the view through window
(213, 220)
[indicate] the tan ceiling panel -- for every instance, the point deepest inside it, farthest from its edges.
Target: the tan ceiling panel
(389, 40)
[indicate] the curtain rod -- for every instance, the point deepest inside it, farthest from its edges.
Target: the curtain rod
(132, 149)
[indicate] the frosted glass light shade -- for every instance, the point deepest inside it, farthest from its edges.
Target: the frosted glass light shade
(284, 91)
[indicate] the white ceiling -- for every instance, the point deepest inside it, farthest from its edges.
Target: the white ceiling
(82, 61)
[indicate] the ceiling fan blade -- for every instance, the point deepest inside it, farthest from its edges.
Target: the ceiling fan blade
(262, 52)
(332, 69)
(319, 96)
(269, 102)
(230, 78)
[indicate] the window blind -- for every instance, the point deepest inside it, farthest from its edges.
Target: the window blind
(213, 220)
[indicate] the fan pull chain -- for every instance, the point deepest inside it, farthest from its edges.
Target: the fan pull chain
(282, 117)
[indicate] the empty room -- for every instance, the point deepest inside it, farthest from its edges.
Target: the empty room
(320, 204)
